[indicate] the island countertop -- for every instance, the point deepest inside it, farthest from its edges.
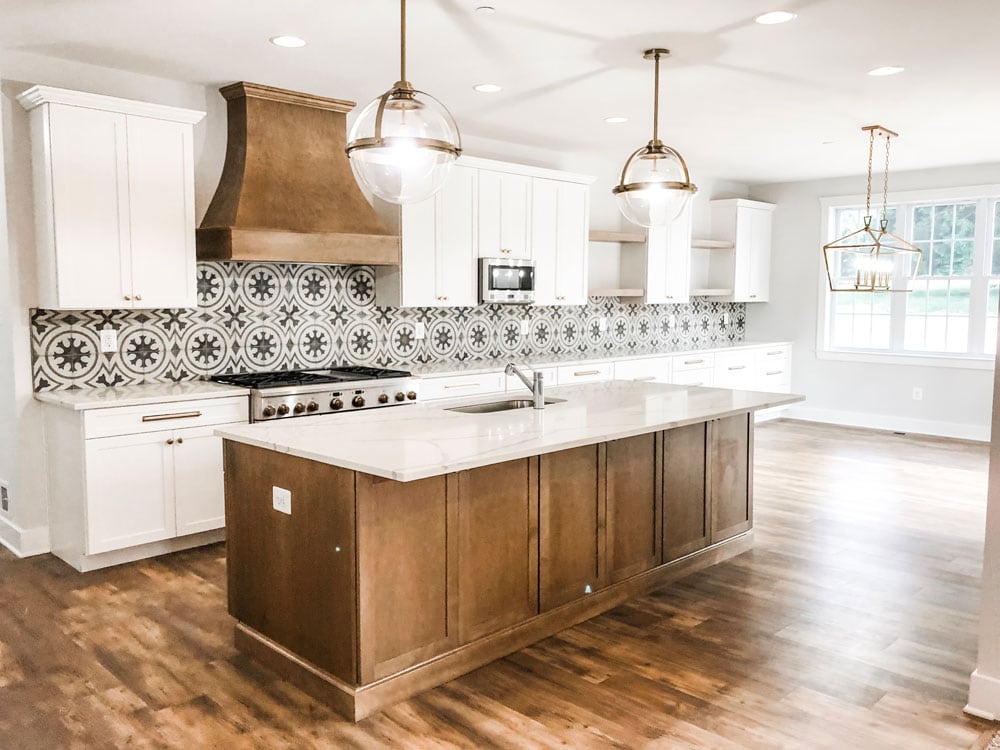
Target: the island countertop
(413, 442)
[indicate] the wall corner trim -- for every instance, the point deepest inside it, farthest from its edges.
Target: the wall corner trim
(984, 697)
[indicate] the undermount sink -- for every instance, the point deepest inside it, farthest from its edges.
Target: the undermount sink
(505, 405)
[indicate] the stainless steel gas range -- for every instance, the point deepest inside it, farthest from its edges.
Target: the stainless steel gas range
(302, 393)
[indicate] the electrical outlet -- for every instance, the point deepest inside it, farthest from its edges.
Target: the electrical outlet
(525, 327)
(671, 321)
(918, 394)
(281, 499)
(602, 323)
(109, 341)
(419, 330)
(4, 497)
(725, 320)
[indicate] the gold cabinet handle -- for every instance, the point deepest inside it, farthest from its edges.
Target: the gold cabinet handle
(774, 372)
(643, 379)
(462, 385)
(176, 415)
(775, 352)
(584, 373)
(737, 367)
(693, 361)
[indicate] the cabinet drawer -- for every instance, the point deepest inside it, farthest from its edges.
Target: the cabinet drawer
(657, 369)
(571, 374)
(735, 369)
(776, 379)
(693, 361)
(701, 376)
(130, 420)
(773, 352)
(550, 375)
(454, 386)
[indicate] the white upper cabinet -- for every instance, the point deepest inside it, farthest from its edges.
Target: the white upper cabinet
(438, 261)
(114, 201)
(560, 213)
(747, 225)
(668, 261)
(504, 215)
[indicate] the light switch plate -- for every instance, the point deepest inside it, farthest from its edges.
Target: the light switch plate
(725, 320)
(109, 341)
(602, 323)
(419, 330)
(525, 327)
(281, 499)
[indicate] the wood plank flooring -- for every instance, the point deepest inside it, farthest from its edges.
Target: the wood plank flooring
(850, 624)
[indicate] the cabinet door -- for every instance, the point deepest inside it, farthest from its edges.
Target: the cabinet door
(668, 261)
(89, 206)
(504, 211)
(759, 255)
(418, 269)
(572, 221)
(686, 522)
(571, 525)
(455, 256)
(199, 492)
(497, 547)
(161, 211)
(545, 238)
(633, 487)
(130, 491)
(731, 470)
(406, 568)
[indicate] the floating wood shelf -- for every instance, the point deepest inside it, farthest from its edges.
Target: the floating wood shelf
(601, 235)
(712, 245)
(711, 292)
(616, 292)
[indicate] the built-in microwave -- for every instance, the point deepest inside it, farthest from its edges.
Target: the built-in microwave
(506, 280)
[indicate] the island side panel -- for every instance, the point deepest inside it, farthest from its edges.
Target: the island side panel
(407, 582)
(497, 547)
(633, 487)
(571, 524)
(291, 576)
(686, 518)
(732, 464)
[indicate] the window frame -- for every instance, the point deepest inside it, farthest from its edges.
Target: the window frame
(985, 196)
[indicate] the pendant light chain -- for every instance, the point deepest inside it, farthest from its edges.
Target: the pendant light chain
(868, 197)
(885, 185)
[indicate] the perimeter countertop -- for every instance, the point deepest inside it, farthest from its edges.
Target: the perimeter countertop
(139, 395)
(416, 441)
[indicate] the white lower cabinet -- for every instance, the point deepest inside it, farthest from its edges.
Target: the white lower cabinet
(454, 386)
(735, 369)
(694, 368)
(132, 482)
(651, 369)
(586, 373)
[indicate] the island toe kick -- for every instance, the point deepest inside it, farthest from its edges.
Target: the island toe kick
(364, 591)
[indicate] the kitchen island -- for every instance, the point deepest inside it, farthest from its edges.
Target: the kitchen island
(377, 554)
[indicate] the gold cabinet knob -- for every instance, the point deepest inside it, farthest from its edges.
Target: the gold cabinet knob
(127, 298)
(180, 441)
(170, 441)
(138, 296)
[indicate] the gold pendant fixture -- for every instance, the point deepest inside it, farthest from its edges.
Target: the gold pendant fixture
(872, 259)
(655, 184)
(404, 142)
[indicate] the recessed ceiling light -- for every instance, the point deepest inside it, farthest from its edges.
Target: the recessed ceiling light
(485, 10)
(886, 70)
(287, 41)
(487, 88)
(616, 120)
(775, 16)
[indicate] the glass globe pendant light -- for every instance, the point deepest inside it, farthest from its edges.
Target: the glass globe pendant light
(655, 185)
(403, 143)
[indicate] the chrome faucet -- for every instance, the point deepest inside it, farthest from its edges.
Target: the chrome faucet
(535, 384)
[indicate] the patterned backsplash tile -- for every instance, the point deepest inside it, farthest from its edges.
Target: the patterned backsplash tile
(270, 316)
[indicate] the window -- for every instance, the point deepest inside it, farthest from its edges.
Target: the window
(952, 308)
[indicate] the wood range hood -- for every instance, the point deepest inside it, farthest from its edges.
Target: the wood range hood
(287, 192)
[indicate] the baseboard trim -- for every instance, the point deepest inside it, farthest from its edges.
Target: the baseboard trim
(984, 697)
(86, 563)
(978, 433)
(23, 542)
(355, 702)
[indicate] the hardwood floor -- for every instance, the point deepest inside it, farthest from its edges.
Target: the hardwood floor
(850, 624)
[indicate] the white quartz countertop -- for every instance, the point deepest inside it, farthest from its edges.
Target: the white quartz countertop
(480, 366)
(139, 395)
(426, 439)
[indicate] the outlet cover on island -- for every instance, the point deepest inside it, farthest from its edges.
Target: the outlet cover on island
(918, 394)
(419, 330)
(281, 499)
(109, 341)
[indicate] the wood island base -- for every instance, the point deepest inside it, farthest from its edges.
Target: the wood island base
(365, 591)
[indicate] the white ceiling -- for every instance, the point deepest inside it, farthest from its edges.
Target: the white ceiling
(742, 101)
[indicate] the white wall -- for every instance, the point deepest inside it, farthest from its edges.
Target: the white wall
(956, 401)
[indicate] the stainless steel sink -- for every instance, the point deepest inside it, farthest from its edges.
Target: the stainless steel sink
(506, 405)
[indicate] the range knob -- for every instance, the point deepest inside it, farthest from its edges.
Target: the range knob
(412, 395)
(336, 404)
(358, 401)
(282, 410)
(383, 398)
(268, 411)
(400, 396)
(312, 406)
(299, 408)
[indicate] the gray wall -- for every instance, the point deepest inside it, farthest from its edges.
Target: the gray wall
(956, 400)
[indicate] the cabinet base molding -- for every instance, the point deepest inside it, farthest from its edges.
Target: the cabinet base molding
(357, 702)
(86, 563)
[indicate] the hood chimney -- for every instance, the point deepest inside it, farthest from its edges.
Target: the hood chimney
(287, 192)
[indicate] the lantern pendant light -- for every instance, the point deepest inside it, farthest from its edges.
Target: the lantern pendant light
(655, 185)
(872, 260)
(403, 143)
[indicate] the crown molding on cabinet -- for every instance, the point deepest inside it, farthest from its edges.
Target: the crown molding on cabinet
(38, 95)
